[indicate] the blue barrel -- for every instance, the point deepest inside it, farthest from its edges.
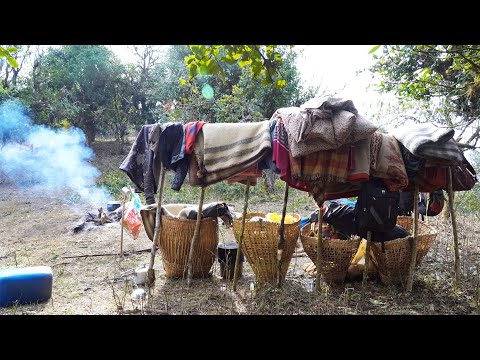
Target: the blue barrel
(25, 285)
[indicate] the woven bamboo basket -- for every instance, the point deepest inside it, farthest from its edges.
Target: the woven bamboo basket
(174, 244)
(336, 255)
(260, 243)
(393, 264)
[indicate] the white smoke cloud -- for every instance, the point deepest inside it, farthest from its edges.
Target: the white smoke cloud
(47, 159)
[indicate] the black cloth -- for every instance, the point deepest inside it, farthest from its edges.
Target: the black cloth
(267, 162)
(341, 216)
(172, 152)
(138, 164)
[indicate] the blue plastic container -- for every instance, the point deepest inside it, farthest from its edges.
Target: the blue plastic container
(25, 285)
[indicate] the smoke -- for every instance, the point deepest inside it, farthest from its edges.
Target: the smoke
(47, 160)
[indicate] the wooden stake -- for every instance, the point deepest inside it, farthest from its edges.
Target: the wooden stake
(318, 286)
(367, 264)
(121, 231)
(454, 228)
(281, 241)
(151, 273)
(195, 237)
(413, 259)
(240, 241)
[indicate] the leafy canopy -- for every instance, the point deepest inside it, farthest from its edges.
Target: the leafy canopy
(264, 61)
(441, 81)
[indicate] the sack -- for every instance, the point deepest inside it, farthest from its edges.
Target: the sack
(434, 205)
(377, 206)
(132, 220)
(464, 176)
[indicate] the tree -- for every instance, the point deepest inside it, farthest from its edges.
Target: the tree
(263, 61)
(440, 82)
(78, 82)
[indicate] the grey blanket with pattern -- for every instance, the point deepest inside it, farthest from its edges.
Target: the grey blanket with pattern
(429, 141)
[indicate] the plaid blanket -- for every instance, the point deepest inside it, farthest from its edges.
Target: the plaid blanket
(430, 142)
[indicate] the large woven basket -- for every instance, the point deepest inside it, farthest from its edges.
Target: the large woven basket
(260, 244)
(336, 255)
(393, 264)
(174, 244)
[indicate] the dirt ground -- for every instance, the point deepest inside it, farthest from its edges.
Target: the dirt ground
(36, 229)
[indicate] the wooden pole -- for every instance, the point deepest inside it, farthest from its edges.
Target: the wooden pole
(281, 241)
(413, 259)
(151, 273)
(367, 264)
(237, 259)
(195, 237)
(454, 227)
(318, 286)
(121, 231)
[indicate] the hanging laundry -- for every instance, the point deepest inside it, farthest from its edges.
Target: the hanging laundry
(430, 142)
(389, 164)
(138, 164)
(323, 124)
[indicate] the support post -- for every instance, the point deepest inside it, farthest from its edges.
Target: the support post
(413, 259)
(195, 237)
(281, 242)
(240, 241)
(151, 273)
(367, 264)
(458, 273)
(318, 286)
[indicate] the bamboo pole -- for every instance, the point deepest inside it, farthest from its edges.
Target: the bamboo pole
(413, 259)
(367, 264)
(240, 241)
(318, 286)
(454, 227)
(158, 224)
(121, 225)
(281, 242)
(195, 237)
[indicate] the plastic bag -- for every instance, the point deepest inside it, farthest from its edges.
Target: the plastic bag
(132, 220)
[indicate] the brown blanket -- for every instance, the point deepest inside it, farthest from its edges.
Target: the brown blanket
(389, 164)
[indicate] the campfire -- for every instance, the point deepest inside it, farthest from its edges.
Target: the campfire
(98, 219)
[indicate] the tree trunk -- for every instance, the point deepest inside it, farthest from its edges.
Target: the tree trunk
(89, 130)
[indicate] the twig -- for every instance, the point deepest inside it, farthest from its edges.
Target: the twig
(126, 253)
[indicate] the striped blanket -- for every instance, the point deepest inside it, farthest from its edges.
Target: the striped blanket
(231, 150)
(430, 142)
(227, 145)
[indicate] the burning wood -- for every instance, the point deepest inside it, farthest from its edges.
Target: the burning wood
(100, 219)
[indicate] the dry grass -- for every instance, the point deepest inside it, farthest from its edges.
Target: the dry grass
(36, 230)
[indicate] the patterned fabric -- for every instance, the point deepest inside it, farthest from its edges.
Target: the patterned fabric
(430, 142)
(322, 167)
(323, 124)
(281, 155)
(191, 132)
(227, 145)
(375, 145)
(390, 166)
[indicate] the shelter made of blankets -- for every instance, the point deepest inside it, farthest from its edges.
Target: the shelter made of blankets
(324, 147)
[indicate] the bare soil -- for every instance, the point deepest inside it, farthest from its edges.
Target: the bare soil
(36, 229)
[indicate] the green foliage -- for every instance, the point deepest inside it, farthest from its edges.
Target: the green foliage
(113, 181)
(440, 82)
(7, 54)
(263, 61)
